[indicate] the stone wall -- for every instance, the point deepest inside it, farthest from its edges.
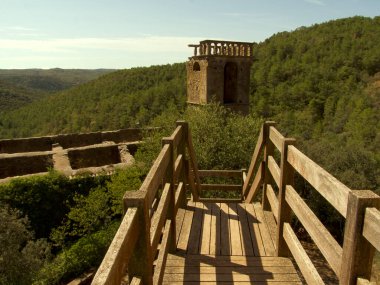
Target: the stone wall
(70, 154)
(68, 140)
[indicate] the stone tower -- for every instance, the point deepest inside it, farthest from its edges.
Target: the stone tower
(220, 71)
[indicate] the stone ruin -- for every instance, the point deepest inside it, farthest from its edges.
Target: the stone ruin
(70, 154)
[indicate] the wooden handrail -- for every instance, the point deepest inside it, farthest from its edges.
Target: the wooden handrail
(146, 225)
(348, 262)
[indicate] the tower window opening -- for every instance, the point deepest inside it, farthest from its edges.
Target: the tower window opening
(196, 67)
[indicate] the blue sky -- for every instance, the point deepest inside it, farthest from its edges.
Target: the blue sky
(124, 33)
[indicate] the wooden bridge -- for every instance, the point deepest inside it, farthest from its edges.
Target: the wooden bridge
(166, 238)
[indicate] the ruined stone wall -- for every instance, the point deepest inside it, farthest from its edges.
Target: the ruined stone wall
(70, 154)
(68, 140)
(197, 82)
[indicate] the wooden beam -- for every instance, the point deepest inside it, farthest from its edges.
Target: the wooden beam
(257, 182)
(328, 246)
(220, 187)
(335, 192)
(274, 170)
(220, 200)
(259, 146)
(272, 201)
(114, 264)
(178, 166)
(303, 261)
(159, 217)
(220, 173)
(179, 196)
(371, 228)
(141, 263)
(276, 137)
(162, 255)
(357, 251)
(156, 173)
(268, 151)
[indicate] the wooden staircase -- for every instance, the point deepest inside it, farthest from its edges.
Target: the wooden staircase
(172, 234)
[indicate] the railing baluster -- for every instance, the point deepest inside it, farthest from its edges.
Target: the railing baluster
(284, 211)
(357, 253)
(268, 151)
(141, 263)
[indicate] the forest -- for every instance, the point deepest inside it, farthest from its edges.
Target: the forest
(19, 87)
(321, 84)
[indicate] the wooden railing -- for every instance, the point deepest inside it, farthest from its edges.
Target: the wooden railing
(147, 232)
(351, 262)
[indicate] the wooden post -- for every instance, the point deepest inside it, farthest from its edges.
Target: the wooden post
(268, 150)
(357, 251)
(181, 150)
(141, 263)
(284, 211)
(193, 161)
(170, 179)
(243, 171)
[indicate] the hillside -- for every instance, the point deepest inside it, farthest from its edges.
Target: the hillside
(318, 82)
(19, 87)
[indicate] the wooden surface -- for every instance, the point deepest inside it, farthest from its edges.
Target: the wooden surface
(371, 228)
(220, 243)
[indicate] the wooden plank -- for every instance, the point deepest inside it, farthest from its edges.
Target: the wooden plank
(186, 227)
(220, 200)
(271, 225)
(304, 263)
(220, 173)
(155, 174)
(196, 229)
(162, 255)
(276, 137)
(228, 270)
(232, 277)
(221, 187)
(259, 146)
(233, 217)
(274, 170)
(179, 222)
(272, 200)
(113, 267)
(328, 246)
(335, 192)
(245, 234)
(371, 228)
(212, 259)
(225, 245)
(215, 229)
(206, 231)
(267, 240)
(179, 196)
(257, 242)
(159, 217)
(257, 182)
(136, 281)
(178, 166)
(235, 282)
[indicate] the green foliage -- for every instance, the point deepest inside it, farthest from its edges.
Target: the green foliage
(20, 87)
(85, 253)
(117, 100)
(46, 199)
(20, 255)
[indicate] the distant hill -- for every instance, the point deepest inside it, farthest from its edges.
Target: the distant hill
(22, 86)
(117, 100)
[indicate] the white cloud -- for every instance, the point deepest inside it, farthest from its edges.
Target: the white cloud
(151, 44)
(316, 2)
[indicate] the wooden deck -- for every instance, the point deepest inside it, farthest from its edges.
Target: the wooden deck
(220, 243)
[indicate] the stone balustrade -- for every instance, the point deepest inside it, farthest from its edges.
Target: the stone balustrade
(222, 48)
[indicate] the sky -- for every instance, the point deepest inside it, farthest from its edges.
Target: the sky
(123, 33)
